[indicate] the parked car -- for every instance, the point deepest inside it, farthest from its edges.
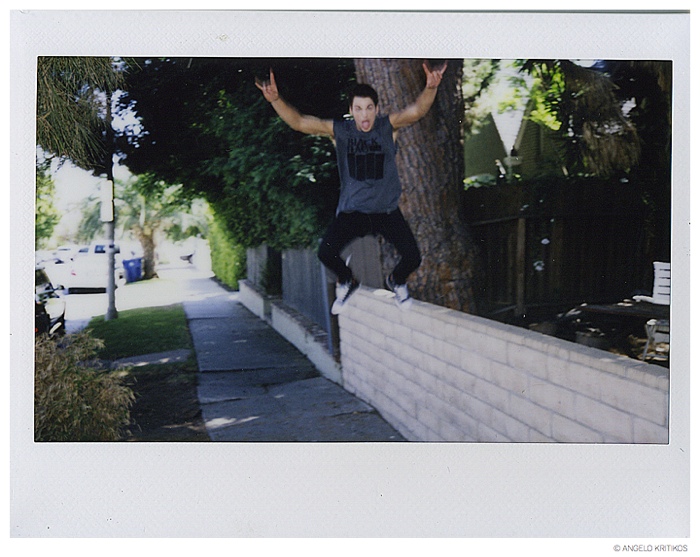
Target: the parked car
(88, 268)
(49, 305)
(64, 254)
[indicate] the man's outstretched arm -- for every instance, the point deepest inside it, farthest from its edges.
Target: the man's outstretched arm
(414, 112)
(292, 117)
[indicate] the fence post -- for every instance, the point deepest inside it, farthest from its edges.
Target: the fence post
(520, 268)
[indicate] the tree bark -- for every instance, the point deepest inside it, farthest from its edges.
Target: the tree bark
(148, 245)
(430, 161)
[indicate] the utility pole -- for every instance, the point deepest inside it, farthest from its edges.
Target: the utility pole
(107, 212)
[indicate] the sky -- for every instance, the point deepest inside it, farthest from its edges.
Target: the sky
(73, 186)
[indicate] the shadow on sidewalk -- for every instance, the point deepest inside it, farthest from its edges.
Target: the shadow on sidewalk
(256, 386)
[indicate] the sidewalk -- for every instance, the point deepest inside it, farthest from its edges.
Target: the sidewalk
(256, 386)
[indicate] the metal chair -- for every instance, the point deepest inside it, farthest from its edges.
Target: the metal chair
(658, 330)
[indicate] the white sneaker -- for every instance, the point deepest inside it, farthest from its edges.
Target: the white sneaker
(401, 296)
(342, 294)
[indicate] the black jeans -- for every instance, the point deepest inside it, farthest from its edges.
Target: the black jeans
(348, 226)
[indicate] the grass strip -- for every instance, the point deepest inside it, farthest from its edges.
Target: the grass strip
(166, 407)
(141, 331)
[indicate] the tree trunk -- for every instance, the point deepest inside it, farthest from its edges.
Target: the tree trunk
(430, 160)
(149, 252)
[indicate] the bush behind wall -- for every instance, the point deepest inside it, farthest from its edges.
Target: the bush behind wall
(228, 260)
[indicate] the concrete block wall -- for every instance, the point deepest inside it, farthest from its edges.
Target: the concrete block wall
(440, 375)
(253, 298)
(307, 337)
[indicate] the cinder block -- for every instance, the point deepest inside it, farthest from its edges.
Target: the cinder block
(400, 334)
(475, 363)
(492, 394)
(614, 425)
(494, 348)
(487, 434)
(640, 400)
(555, 365)
(506, 377)
(647, 432)
(552, 397)
(407, 357)
(537, 437)
(466, 425)
(527, 359)
(390, 361)
(393, 413)
(565, 430)
(402, 395)
(433, 324)
(425, 380)
(514, 430)
(467, 338)
(449, 333)
(460, 379)
(451, 433)
(362, 331)
(448, 352)
(414, 319)
(433, 366)
(535, 340)
(428, 417)
(479, 411)
(559, 349)
(376, 337)
(578, 378)
(422, 341)
(373, 351)
(653, 376)
(447, 393)
(526, 411)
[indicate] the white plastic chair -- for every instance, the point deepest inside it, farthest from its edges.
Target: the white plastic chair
(661, 291)
(658, 330)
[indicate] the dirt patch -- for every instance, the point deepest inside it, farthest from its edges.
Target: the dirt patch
(166, 406)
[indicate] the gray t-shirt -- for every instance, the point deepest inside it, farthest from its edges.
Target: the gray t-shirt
(369, 180)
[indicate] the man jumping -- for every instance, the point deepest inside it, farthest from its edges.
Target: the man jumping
(369, 181)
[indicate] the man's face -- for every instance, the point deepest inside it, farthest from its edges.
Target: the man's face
(364, 111)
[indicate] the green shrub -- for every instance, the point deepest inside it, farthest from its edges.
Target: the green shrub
(75, 400)
(228, 260)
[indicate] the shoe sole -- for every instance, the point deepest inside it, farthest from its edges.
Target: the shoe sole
(338, 306)
(406, 304)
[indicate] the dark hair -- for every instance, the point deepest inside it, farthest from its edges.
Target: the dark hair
(365, 91)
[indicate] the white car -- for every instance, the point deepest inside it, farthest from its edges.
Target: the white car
(65, 253)
(88, 268)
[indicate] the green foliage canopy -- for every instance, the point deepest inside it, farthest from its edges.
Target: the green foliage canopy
(47, 216)
(206, 126)
(70, 109)
(582, 106)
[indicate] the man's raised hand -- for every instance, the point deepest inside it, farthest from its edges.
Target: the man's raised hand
(433, 76)
(268, 88)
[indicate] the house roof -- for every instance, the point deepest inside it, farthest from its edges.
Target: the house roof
(508, 125)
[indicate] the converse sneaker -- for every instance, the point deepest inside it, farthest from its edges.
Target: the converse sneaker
(342, 295)
(401, 296)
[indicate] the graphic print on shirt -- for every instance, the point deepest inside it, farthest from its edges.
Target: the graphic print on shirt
(365, 159)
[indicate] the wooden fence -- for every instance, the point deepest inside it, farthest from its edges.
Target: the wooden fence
(549, 246)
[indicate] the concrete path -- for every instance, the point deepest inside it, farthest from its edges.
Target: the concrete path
(256, 386)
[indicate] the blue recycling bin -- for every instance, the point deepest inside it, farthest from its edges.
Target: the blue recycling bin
(132, 269)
